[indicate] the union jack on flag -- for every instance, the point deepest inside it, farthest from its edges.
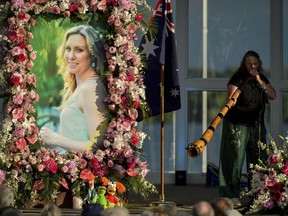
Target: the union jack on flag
(161, 50)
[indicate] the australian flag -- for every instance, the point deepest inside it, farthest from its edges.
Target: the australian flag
(160, 49)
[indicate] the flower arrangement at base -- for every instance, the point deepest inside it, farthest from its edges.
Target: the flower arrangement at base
(36, 174)
(269, 183)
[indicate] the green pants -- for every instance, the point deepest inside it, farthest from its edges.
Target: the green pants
(236, 140)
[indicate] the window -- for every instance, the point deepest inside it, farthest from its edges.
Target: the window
(221, 31)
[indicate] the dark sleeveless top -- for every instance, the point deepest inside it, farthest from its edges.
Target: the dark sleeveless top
(250, 103)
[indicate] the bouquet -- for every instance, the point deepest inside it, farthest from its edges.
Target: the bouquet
(269, 183)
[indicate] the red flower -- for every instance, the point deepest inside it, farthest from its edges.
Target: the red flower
(39, 185)
(94, 162)
(15, 80)
(277, 196)
(22, 45)
(21, 144)
(136, 104)
(138, 17)
(131, 165)
(285, 169)
(111, 2)
(21, 16)
(73, 7)
(51, 165)
(64, 183)
(21, 57)
(131, 172)
(12, 35)
(87, 175)
(273, 159)
(129, 77)
(124, 100)
(32, 139)
(276, 186)
(134, 140)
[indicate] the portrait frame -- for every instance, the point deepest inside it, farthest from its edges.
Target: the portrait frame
(36, 174)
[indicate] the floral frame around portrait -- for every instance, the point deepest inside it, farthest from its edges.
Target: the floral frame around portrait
(36, 174)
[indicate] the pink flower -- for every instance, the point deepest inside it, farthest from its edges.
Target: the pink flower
(33, 160)
(112, 106)
(51, 165)
(33, 95)
(11, 21)
(31, 79)
(30, 35)
(111, 67)
(18, 99)
(126, 4)
(111, 19)
(16, 51)
(66, 14)
(102, 5)
(12, 67)
(17, 3)
(32, 56)
(29, 65)
(71, 166)
(18, 114)
(133, 113)
(56, 9)
(110, 163)
(29, 47)
(64, 169)
(117, 22)
(2, 176)
(19, 131)
(131, 28)
(106, 143)
(33, 22)
(93, 2)
(112, 124)
(112, 49)
(40, 167)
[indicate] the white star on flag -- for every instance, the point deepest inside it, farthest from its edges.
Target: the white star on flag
(174, 92)
(149, 47)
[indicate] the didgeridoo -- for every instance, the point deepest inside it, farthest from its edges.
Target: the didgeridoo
(196, 148)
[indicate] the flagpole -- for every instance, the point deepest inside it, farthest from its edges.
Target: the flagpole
(162, 195)
(162, 201)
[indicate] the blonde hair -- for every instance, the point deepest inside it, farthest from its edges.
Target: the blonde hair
(95, 48)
